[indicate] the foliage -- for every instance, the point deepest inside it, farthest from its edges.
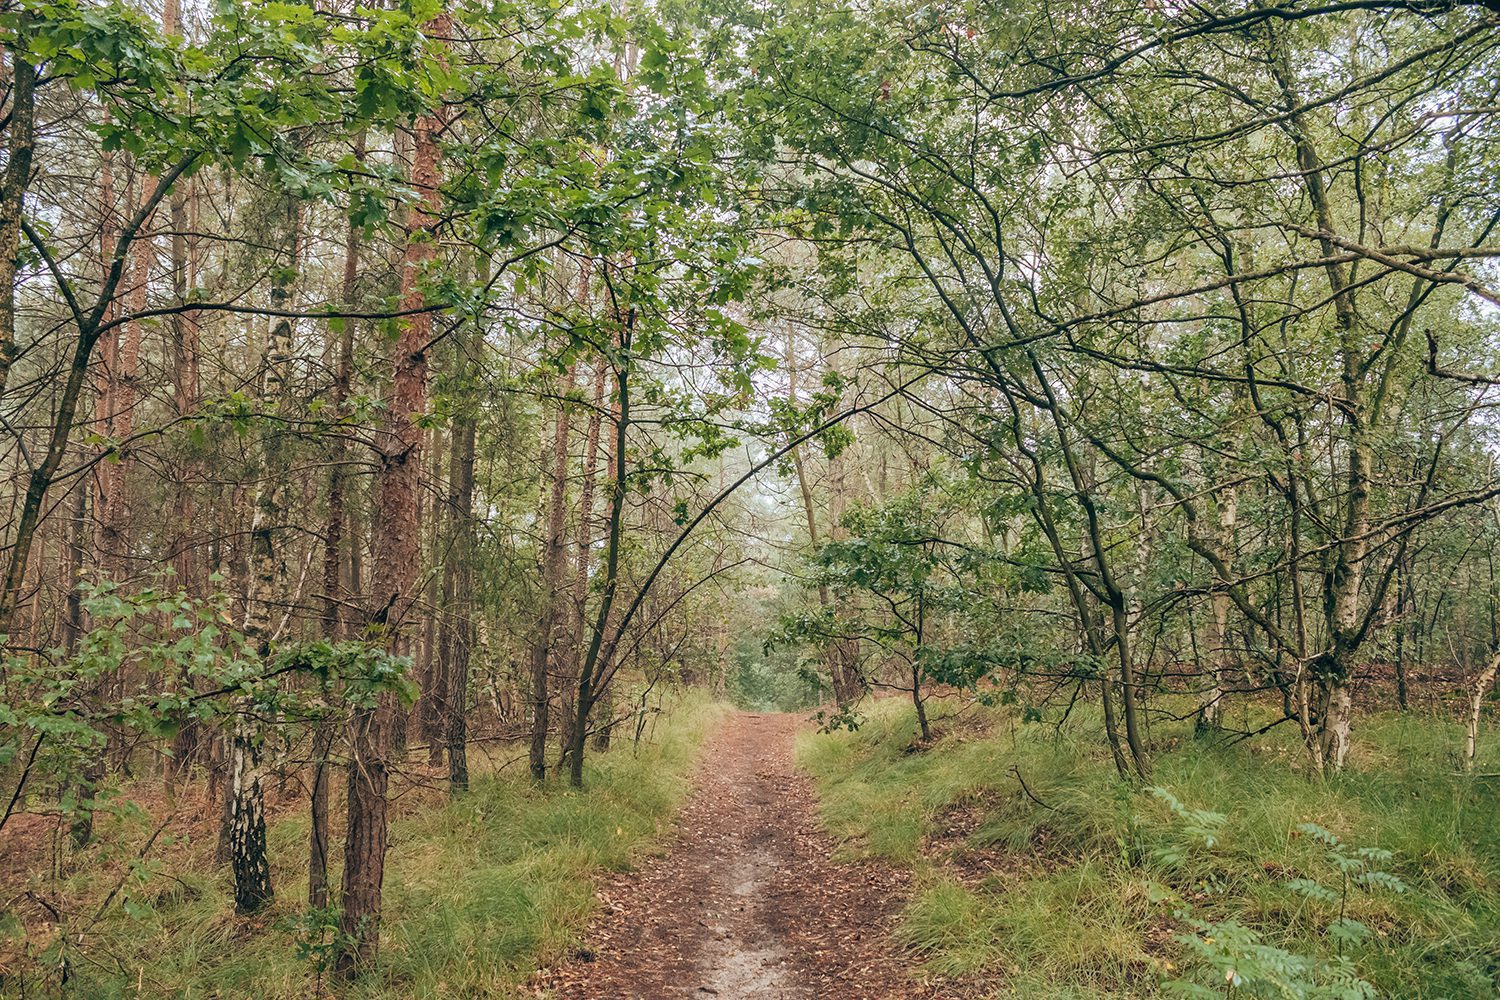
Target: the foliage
(188, 666)
(1235, 958)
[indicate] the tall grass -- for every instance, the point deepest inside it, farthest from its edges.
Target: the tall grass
(478, 891)
(1060, 889)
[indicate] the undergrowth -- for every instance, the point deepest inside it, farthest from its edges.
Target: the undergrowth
(1043, 873)
(479, 891)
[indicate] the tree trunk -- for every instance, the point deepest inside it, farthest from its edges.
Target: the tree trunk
(317, 838)
(432, 714)
(1482, 683)
(77, 550)
(841, 666)
(20, 146)
(1342, 582)
(1404, 607)
(185, 390)
(247, 822)
(247, 815)
(246, 810)
(365, 838)
(583, 547)
(114, 511)
(335, 593)
(595, 673)
(1211, 715)
(543, 649)
(458, 625)
(397, 551)
(1119, 616)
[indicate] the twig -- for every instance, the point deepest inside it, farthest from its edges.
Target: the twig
(1029, 793)
(10, 807)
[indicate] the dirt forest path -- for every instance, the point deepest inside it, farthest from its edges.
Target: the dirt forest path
(746, 903)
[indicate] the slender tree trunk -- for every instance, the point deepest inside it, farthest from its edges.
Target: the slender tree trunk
(185, 390)
(604, 712)
(849, 684)
(1130, 701)
(458, 624)
(543, 649)
(105, 405)
(1480, 689)
(247, 815)
(588, 526)
(842, 673)
(81, 830)
(1331, 671)
(115, 514)
(335, 595)
(20, 146)
(185, 362)
(77, 550)
(456, 642)
(114, 511)
(1404, 607)
(598, 666)
(923, 726)
(1211, 716)
(397, 551)
(432, 714)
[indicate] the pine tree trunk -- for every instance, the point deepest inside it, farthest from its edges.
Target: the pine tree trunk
(458, 624)
(397, 551)
(185, 391)
(434, 682)
(114, 512)
(595, 673)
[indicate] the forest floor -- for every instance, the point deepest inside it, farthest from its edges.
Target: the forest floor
(747, 902)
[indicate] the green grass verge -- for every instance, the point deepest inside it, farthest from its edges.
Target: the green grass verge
(1081, 887)
(479, 891)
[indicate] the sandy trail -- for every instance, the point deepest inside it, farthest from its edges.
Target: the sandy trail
(747, 904)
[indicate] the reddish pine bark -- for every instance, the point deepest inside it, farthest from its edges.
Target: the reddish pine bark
(396, 551)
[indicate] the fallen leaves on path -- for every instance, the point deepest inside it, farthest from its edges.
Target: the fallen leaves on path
(747, 903)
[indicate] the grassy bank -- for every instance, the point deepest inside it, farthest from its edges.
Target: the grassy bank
(479, 891)
(1076, 885)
